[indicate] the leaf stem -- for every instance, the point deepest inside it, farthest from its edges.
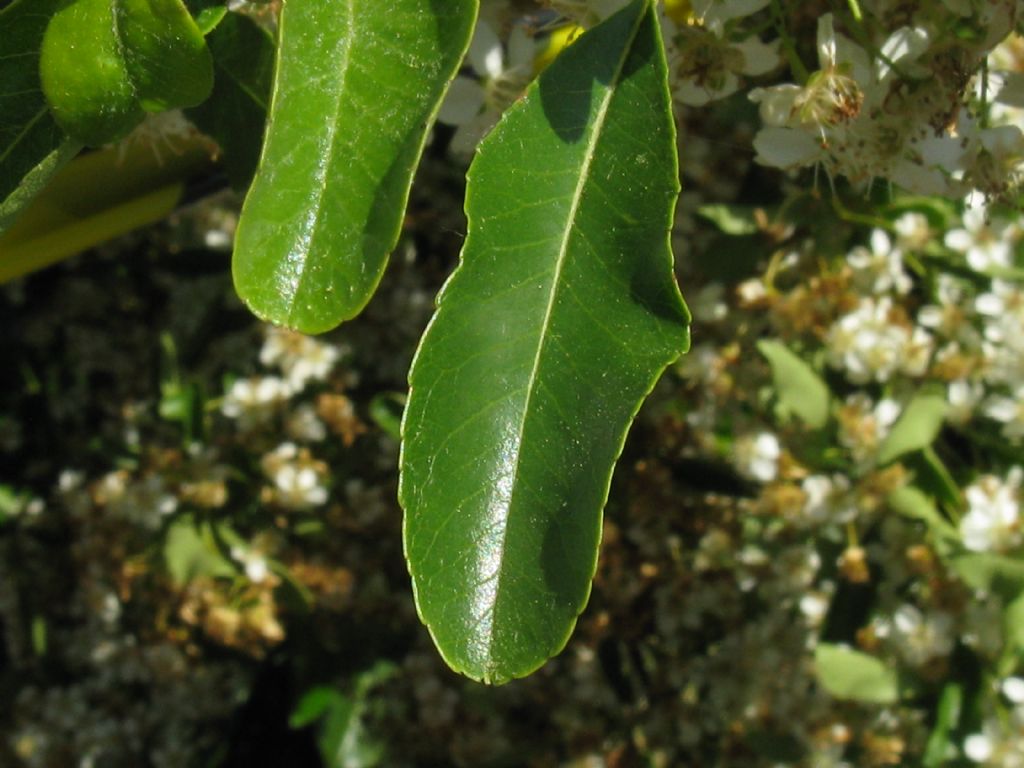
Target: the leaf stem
(796, 66)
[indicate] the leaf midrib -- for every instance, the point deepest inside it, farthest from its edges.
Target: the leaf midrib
(594, 138)
(26, 129)
(328, 159)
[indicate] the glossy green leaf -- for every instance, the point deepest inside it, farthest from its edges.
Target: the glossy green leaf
(84, 75)
(800, 391)
(850, 674)
(234, 115)
(916, 428)
(165, 53)
(561, 316)
(104, 63)
(32, 146)
(357, 85)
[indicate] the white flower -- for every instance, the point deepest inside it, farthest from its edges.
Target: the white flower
(297, 477)
(828, 499)
(951, 315)
(871, 344)
(920, 638)
(253, 562)
(1003, 310)
(301, 358)
(963, 397)
(723, 11)
(863, 425)
(787, 148)
(991, 522)
(474, 103)
(814, 606)
(1013, 689)
(144, 502)
(253, 400)
(1010, 412)
(757, 456)
(304, 424)
(912, 231)
(706, 64)
(880, 269)
(986, 242)
(978, 747)
(707, 306)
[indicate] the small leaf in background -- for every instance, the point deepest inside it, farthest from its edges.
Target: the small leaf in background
(1013, 625)
(561, 316)
(916, 428)
(940, 747)
(32, 145)
(731, 219)
(342, 737)
(189, 551)
(386, 411)
(243, 64)
(356, 89)
(913, 502)
(997, 574)
(850, 674)
(102, 65)
(800, 391)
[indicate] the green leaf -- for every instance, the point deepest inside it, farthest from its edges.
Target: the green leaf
(165, 53)
(947, 716)
(800, 390)
(916, 428)
(84, 75)
(850, 674)
(34, 182)
(913, 502)
(343, 739)
(190, 551)
(731, 219)
(313, 705)
(386, 411)
(561, 316)
(207, 13)
(234, 115)
(97, 196)
(104, 62)
(1013, 624)
(32, 146)
(996, 574)
(357, 85)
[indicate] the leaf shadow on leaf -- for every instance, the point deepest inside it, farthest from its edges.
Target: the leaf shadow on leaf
(568, 111)
(564, 570)
(647, 287)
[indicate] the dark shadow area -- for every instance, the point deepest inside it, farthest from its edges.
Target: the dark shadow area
(566, 86)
